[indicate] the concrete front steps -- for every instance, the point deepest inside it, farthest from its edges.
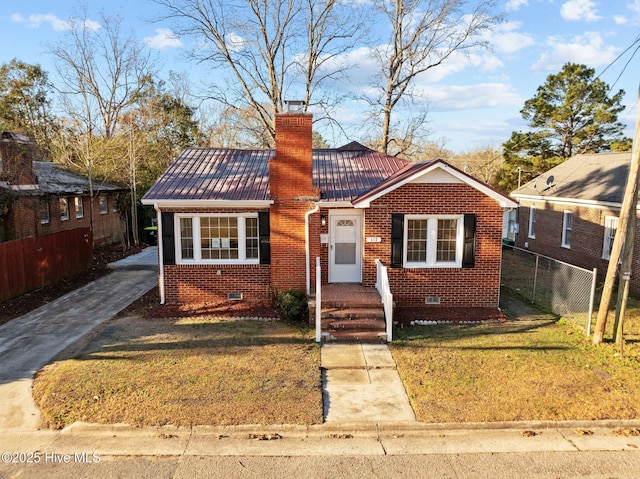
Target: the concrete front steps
(351, 314)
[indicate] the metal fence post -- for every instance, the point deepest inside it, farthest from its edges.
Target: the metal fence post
(592, 299)
(535, 280)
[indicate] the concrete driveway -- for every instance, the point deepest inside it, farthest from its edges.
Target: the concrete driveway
(29, 342)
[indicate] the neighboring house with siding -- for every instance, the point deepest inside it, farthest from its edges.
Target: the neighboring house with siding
(39, 198)
(571, 212)
(248, 224)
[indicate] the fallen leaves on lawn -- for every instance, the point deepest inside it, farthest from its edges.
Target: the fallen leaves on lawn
(265, 437)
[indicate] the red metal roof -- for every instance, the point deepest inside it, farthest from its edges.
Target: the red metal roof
(215, 174)
(243, 175)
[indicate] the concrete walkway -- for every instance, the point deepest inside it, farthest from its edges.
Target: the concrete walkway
(361, 384)
(30, 341)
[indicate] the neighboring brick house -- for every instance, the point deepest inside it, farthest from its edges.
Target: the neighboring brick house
(38, 198)
(249, 223)
(571, 212)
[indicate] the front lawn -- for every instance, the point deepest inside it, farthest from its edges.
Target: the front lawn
(187, 371)
(519, 370)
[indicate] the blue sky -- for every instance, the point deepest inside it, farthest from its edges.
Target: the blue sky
(472, 100)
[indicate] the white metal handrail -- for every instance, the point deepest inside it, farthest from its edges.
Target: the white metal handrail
(384, 289)
(318, 302)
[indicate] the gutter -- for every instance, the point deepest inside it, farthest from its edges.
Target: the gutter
(306, 244)
(160, 253)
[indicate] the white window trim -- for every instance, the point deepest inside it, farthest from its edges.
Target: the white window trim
(45, 207)
(197, 252)
(106, 199)
(607, 241)
(78, 200)
(64, 215)
(432, 241)
(531, 232)
(565, 215)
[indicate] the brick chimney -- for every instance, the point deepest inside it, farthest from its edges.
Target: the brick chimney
(17, 152)
(293, 193)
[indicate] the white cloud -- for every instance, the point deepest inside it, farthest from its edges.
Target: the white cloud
(576, 10)
(588, 49)
(635, 6)
(505, 38)
(463, 97)
(620, 20)
(34, 21)
(164, 38)
(513, 5)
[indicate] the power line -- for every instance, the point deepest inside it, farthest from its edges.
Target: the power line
(637, 40)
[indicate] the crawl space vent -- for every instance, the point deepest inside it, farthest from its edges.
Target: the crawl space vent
(234, 296)
(432, 300)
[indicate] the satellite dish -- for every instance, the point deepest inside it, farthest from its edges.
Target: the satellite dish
(550, 180)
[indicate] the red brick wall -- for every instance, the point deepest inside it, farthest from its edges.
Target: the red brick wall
(17, 162)
(470, 287)
(586, 239)
(24, 219)
(202, 283)
(291, 188)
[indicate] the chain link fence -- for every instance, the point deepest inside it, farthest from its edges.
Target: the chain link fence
(562, 288)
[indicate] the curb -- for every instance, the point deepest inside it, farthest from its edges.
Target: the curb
(361, 429)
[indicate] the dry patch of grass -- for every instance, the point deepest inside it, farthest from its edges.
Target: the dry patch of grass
(519, 370)
(187, 371)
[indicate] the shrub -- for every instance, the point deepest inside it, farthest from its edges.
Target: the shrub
(292, 304)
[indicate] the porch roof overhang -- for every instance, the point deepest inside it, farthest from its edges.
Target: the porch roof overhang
(335, 204)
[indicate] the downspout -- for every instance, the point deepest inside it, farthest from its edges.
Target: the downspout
(160, 253)
(306, 244)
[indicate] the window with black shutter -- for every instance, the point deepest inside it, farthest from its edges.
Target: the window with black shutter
(397, 240)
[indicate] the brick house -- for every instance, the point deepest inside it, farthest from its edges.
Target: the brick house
(571, 212)
(249, 223)
(39, 198)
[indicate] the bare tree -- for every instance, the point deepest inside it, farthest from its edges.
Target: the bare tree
(482, 162)
(424, 35)
(100, 73)
(263, 45)
(100, 70)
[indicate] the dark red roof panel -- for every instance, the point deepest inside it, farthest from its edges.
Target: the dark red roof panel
(243, 175)
(215, 174)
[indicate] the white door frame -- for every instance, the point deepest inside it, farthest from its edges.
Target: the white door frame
(340, 273)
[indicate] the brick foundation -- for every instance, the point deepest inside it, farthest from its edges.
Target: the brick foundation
(203, 284)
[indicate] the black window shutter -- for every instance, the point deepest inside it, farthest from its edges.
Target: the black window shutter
(168, 239)
(469, 252)
(397, 239)
(264, 232)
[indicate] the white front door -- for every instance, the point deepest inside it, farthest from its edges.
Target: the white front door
(345, 248)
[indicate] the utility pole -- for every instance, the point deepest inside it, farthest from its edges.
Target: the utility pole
(627, 211)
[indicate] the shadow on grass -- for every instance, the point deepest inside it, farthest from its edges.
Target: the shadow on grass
(508, 348)
(123, 338)
(453, 331)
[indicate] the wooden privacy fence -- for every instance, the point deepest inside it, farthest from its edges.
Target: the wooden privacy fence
(31, 263)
